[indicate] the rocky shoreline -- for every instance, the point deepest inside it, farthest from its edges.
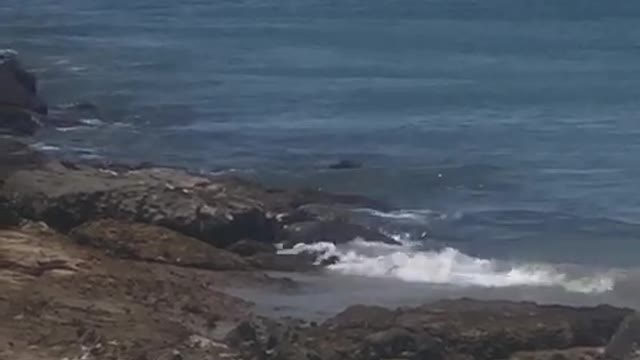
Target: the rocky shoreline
(107, 261)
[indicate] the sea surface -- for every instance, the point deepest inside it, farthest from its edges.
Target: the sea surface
(506, 132)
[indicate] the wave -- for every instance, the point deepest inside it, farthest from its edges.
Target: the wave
(447, 266)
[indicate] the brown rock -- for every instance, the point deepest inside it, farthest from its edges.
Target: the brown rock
(218, 213)
(154, 243)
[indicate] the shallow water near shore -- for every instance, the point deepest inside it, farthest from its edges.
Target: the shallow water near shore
(320, 296)
(504, 132)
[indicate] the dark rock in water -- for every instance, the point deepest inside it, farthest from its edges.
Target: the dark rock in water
(324, 212)
(19, 101)
(309, 196)
(247, 247)
(153, 243)
(625, 343)
(18, 87)
(345, 164)
(333, 231)
(455, 329)
(18, 122)
(275, 262)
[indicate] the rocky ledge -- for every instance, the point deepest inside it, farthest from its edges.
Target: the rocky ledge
(106, 261)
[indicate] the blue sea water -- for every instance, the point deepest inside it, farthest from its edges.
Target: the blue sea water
(515, 122)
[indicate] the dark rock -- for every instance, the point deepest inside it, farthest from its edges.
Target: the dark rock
(18, 87)
(8, 217)
(323, 212)
(625, 343)
(275, 262)
(390, 342)
(218, 213)
(245, 332)
(19, 101)
(247, 247)
(310, 196)
(336, 231)
(563, 354)
(16, 155)
(18, 122)
(459, 330)
(372, 318)
(331, 260)
(154, 243)
(345, 164)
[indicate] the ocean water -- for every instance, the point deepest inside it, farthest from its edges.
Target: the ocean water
(506, 132)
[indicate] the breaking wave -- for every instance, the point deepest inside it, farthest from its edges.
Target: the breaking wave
(447, 266)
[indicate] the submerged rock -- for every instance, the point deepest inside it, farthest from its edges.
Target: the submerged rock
(345, 164)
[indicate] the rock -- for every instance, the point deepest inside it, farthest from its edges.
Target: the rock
(19, 101)
(275, 262)
(460, 329)
(564, 354)
(154, 243)
(219, 210)
(625, 343)
(8, 217)
(18, 122)
(310, 196)
(216, 212)
(389, 342)
(334, 231)
(246, 331)
(345, 164)
(16, 155)
(247, 247)
(62, 300)
(18, 87)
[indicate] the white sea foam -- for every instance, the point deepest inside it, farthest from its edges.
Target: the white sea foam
(447, 266)
(46, 147)
(92, 121)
